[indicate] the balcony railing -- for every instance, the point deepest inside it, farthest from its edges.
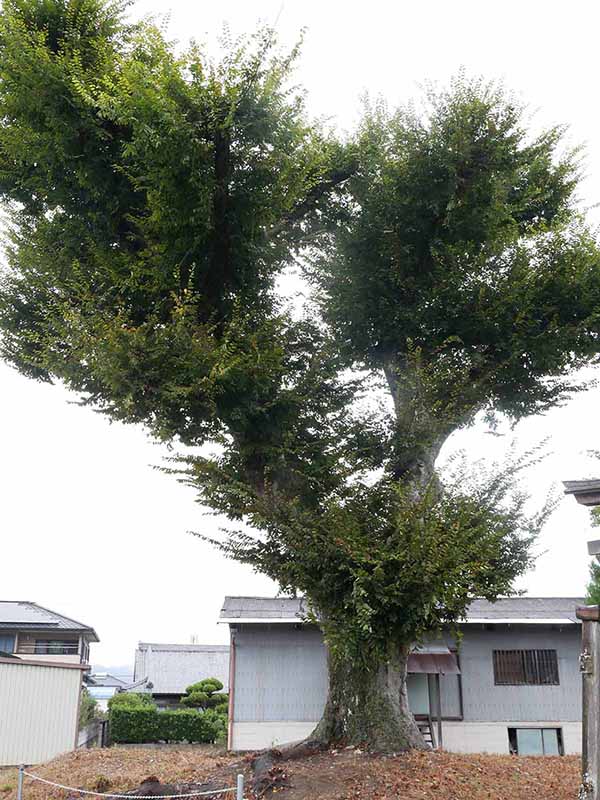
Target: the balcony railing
(49, 649)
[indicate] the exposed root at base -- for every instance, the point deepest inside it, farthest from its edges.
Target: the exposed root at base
(268, 772)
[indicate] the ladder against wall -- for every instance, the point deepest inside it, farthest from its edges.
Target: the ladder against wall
(425, 725)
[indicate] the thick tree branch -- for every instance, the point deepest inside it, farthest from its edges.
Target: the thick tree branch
(304, 207)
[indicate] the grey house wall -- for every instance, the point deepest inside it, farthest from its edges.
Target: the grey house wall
(280, 686)
(280, 674)
(485, 702)
(170, 668)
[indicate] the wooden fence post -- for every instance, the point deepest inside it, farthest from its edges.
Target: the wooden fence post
(589, 664)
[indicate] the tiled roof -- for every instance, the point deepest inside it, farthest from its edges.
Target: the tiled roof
(591, 485)
(170, 668)
(510, 609)
(524, 608)
(587, 492)
(25, 615)
(184, 648)
(103, 679)
(285, 608)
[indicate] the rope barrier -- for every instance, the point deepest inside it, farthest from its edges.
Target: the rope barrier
(137, 797)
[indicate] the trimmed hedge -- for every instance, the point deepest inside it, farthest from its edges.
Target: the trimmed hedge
(143, 725)
(131, 700)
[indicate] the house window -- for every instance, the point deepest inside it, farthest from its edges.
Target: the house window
(7, 643)
(525, 668)
(536, 741)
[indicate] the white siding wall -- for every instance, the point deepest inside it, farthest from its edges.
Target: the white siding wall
(259, 735)
(38, 712)
(51, 658)
(492, 737)
(459, 737)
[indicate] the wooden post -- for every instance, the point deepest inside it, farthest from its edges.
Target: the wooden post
(589, 664)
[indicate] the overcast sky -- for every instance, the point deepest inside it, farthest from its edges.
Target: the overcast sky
(89, 529)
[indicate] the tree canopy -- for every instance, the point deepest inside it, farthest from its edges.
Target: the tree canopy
(155, 201)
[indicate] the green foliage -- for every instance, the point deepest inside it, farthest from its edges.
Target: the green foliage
(142, 725)
(88, 708)
(131, 700)
(459, 263)
(206, 694)
(134, 724)
(399, 566)
(155, 200)
(134, 717)
(592, 596)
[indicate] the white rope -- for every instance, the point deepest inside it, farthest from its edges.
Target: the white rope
(128, 796)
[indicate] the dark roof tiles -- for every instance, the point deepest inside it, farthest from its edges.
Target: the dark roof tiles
(25, 615)
(508, 608)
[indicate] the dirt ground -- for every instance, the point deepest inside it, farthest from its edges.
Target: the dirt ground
(342, 775)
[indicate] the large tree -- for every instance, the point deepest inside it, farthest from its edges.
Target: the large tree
(155, 200)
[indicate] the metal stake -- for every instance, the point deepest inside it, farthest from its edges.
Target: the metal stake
(240, 788)
(20, 783)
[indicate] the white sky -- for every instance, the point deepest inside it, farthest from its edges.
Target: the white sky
(89, 529)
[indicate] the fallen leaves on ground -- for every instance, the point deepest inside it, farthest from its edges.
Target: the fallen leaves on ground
(348, 775)
(342, 775)
(119, 769)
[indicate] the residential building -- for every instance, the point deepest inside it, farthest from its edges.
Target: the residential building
(33, 632)
(510, 683)
(39, 702)
(166, 670)
(102, 686)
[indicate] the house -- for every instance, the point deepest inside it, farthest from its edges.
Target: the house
(166, 670)
(511, 684)
(30, 631)
(102, 686)
(40, 709)
(43, 657)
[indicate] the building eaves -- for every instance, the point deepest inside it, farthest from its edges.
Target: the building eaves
(511, 610)
(26, 615)
(183, 648)
(585, 492)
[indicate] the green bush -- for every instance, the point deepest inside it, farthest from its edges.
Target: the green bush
(208, 685)
(138, 725)
(195, 699)
(134, 725)
(88, 708)
(205, 694)
(216, 700)
(131, 700)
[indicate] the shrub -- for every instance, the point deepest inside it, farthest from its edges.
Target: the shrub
(88, 709)
(137, 725)
(190, 726)
(219, 699)
(205, 694)
(195, 699)
(131, 700)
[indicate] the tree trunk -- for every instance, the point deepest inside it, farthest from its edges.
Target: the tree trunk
(368, 705)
